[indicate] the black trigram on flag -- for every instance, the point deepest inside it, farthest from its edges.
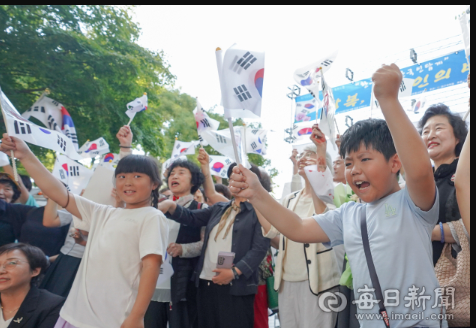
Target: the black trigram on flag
(101, 142)
(52, 123)
(200, 138)
(72, 136)
(242, 93)
(205, 123)
(220, 139)
(254, 145)
(62, 174)
(22, 128)
(74, 171)
(62, 143)
(254, 131)
(227, 162)
(38, 109)
(403, 87)
(55, 103)
(247, 60)
(327, 62)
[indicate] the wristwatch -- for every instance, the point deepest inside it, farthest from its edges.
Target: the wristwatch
(237, 276)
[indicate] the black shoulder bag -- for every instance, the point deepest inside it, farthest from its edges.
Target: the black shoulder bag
(373, 272)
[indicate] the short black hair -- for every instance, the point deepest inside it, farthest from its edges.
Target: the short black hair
(263, 177)
(16, 190)
(35, 257)
(460, 127)
(222, 189)
(145, 165)
(371, 133)
(26, 182)
(197, 176)
(164, 190)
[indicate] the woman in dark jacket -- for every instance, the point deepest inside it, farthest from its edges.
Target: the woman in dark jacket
(184, 178)
(225, 296)
(22, 303)
(444, 133)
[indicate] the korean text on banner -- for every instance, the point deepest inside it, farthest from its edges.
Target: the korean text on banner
(241, 82)
(54, 116)
(19, 127)
(431, 75)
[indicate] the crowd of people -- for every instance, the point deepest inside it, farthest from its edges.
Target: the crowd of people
(395, 218)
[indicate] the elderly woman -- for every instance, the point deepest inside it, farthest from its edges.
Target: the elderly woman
(22, 303)
(305, 271)
(225, 296)
(444, 133)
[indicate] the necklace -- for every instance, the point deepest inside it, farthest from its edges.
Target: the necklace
(9, 312)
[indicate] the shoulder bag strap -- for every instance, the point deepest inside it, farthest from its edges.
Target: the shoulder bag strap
(373, 272)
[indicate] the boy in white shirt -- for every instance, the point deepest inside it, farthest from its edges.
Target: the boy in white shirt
(400, 222)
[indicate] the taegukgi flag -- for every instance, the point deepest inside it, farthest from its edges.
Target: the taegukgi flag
(219, 166)
(94, 148)
(136, 106)
(182, 148)
(221, 141)
(241, 80)
(204, 122)
(54, 116)
(19, 127)
(306, 108)
(71, 173)
(328, 124)
(310, 75)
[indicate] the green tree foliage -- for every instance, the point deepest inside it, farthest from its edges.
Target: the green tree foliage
(89, 59)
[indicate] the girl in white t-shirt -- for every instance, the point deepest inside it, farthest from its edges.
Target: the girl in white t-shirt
(121, 263)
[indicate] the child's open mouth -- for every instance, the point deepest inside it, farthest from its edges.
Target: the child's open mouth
(362, 185)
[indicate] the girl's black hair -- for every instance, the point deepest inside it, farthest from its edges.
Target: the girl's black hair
(145, 165)
(16, 190)
(35, 257)
(459, 125)
(197, 176)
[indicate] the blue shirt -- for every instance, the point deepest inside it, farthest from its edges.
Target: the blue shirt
(400, 241)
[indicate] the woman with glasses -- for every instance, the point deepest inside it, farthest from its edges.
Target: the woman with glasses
(22, 303)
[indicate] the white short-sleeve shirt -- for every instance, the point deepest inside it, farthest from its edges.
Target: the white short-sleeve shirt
(106, 286)
(400, 242)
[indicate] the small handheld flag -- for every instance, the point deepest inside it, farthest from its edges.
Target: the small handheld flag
(136, 106)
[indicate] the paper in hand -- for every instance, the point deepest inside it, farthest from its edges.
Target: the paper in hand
(321, 182)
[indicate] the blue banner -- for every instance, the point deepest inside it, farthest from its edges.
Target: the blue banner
(431, 75)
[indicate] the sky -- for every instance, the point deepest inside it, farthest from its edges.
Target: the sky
(292, 37)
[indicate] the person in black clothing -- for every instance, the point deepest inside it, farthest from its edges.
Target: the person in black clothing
(225, 296)
(25, 223)
(9, 193)
(444, 133)
(184, 179)
(22, 303)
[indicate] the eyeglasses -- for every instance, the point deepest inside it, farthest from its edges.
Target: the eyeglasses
(10, 265)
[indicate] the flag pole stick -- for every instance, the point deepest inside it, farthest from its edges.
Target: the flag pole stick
(12, 154)
(130, 121)
(233, 141)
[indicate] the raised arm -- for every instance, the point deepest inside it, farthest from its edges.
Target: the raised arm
(195, 218)
(463, 183)
(245, 184)
(208, 185)
(125, 136)
(50, 186)
(50, 217)
(410, 147)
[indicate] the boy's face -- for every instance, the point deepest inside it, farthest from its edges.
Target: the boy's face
(370, 175)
